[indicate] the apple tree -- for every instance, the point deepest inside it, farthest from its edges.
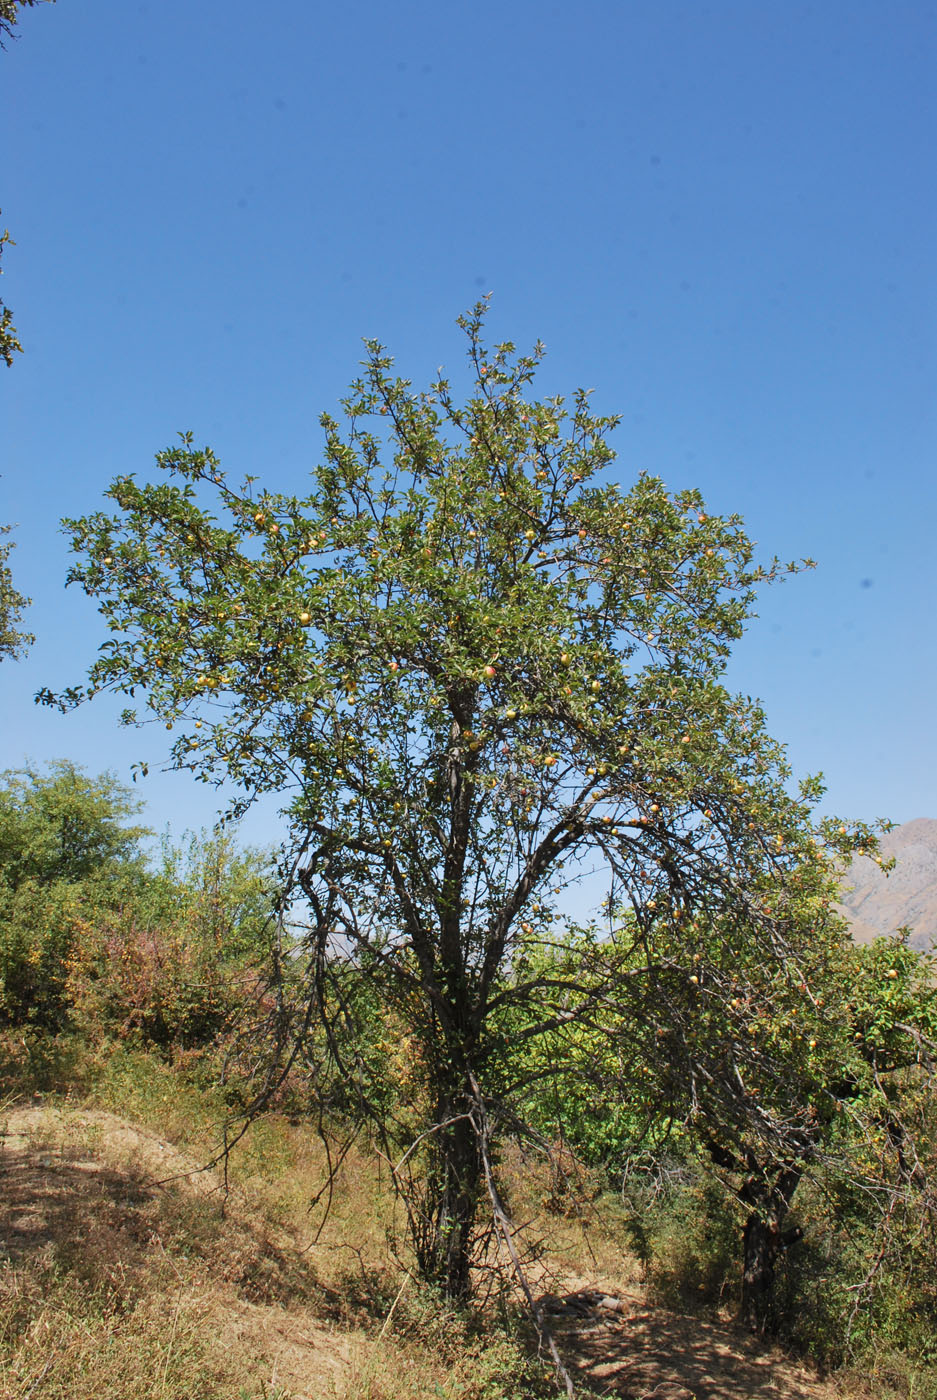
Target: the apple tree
(477, 670)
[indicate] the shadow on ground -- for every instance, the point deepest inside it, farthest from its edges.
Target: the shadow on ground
(623, 1347)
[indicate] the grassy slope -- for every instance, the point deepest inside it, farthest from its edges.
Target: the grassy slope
(129, 1273)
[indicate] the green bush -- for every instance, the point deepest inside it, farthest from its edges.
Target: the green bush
(40, 927)
(93, 939)
(685, 1230)
(66, 854)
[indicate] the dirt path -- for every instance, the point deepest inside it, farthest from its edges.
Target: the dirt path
(84, 1178)
(622, 1346)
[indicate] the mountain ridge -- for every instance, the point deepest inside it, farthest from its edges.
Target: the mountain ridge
(877, 903)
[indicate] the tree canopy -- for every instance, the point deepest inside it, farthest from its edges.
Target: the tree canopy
(63, 825)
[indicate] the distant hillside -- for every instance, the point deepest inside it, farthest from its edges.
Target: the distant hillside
(875, 903)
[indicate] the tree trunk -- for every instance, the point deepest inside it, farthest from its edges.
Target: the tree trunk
(444, 1249)
(764, 1240)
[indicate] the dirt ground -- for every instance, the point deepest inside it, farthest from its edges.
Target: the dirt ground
(622, 1346)
(60, 1169)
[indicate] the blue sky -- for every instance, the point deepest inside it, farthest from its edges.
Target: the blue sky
(720, 216)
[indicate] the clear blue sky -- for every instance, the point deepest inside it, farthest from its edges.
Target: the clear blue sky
(720, 215)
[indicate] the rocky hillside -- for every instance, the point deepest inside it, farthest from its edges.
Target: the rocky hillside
(876, 903)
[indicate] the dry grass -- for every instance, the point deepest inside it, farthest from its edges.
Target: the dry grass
(125, 1271)
(113, 1285)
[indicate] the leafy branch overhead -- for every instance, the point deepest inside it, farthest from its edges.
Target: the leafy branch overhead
(13, 641)
(9, 16)
(9, 341)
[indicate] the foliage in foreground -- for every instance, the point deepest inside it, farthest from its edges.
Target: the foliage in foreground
(857, 1299)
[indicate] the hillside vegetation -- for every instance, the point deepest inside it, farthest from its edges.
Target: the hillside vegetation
(140, 1260)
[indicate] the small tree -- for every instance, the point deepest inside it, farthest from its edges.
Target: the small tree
(66, 851)
(63, 825)
(474, 672)
(698, 1046)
